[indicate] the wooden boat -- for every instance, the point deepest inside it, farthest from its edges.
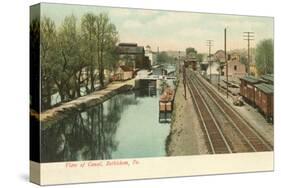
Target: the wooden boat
(166, 100)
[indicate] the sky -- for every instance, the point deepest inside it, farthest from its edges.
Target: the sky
(171, 30)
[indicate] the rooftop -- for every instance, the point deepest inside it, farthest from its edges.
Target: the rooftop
(268, 77)
(126, 68)
(266, 88)
(250, 79)
(127, 44)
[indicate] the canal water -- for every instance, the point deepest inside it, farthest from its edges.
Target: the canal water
(125, 126)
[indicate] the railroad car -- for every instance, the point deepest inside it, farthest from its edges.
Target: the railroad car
(247, 88)
(264, 100)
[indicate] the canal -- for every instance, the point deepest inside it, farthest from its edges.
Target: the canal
(125, 126)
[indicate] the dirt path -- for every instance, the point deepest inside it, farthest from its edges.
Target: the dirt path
(186, 136)
(95, 98)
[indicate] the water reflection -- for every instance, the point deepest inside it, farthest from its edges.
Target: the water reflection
(124, 126)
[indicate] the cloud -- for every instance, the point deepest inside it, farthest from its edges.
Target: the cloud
(171, 30)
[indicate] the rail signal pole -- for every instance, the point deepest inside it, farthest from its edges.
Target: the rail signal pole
(210, 44)
(248, 36)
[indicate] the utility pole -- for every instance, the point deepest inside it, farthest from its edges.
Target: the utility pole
(157, 55)
(184, 80)
(179, 58)
(248, 36)
(226, 63)
(210, 44)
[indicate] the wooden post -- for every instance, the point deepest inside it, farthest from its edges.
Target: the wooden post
(184, 81)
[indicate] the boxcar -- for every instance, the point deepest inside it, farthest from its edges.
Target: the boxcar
(264, 99)
(247, 88)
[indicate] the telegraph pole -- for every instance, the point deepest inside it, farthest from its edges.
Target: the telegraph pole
(226, 63)
(179, 59)
(210, 44)
(248, 36)
(183, 77)
(179, 55)
(157, 55)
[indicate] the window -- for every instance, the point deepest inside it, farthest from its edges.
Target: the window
(235, 67)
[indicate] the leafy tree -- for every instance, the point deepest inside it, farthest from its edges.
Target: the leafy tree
(264, 57)
(243, 59)
(88, 32)
(192, 53)
(106, 38)
(200, 57)
(34, 62)
(163, 57)
(68, 65)
(48, 56)
(100, 37)
(190, 50)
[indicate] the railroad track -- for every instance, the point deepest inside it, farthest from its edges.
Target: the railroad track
(216, 141)
(252, 139)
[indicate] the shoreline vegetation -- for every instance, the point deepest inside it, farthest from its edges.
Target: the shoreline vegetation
(89, 100)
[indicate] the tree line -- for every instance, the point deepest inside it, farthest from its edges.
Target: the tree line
(73, 56)
(265, 57)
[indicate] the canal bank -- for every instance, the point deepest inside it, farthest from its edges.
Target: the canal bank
(186, 136)
(92, 99)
